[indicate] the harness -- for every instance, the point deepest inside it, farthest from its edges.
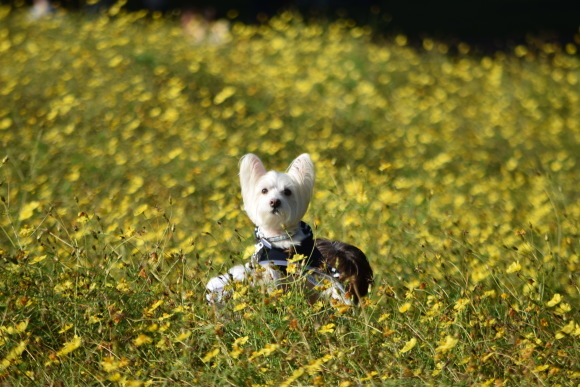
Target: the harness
(313, 266)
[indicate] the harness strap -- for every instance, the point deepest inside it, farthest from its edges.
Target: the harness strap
(265, 251)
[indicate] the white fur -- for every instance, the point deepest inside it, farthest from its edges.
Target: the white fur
(291, 191)
(299, 180)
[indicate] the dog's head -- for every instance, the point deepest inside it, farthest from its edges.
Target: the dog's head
(276, 201)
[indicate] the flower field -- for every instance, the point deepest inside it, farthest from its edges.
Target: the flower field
(456, 172)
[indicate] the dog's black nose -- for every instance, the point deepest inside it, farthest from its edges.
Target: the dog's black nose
(275, 203)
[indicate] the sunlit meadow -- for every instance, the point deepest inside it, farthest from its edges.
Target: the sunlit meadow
(457, 173)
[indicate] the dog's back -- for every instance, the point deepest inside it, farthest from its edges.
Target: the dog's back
(355, 271)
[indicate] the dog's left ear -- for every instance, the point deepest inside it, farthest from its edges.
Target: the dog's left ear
(251, 170)
(302, 171)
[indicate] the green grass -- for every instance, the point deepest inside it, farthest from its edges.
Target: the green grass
(120, 137)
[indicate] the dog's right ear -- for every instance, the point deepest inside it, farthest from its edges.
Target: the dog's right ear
(302, 171)
(251, 169)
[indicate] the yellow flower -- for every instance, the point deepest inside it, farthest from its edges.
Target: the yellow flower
(235, 353)
(461, 304)
(369, 376)
(563, 309)
(70, 346)
(65, 328)
(165, 316)
(179, 309)
(149, 311)
(115, 377)
(329, 328)
(210, 355)
(317, 305)
(182, 336)
(297, 258)
(266, 351)
(249, 251)
(153, 327)
(241, 306)
(25, 231)
(236, 350)
(141, 209)
(5, 123)
(223, 95)
(162, 344)
(94, 319)
(295, 375)
(292, 268)
(13, 355)
(447, 344)
(38, 259)
(514, 267)
(123, 286)
(409, 345)
(240, 341)
(554, 301)
(28, 209)
(18, 328)
(316, 365)
(142, 339)
(438, 367)
(135, 184)
(571, 328)
(111, 364)
(405, 307)
(134, 383)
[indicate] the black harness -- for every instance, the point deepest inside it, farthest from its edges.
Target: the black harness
(314, 268)
(266, 253)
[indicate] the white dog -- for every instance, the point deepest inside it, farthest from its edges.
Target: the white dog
(276, 202)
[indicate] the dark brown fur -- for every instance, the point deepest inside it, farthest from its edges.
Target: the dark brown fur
(355, 271)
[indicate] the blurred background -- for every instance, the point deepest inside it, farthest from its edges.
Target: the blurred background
(490, 24)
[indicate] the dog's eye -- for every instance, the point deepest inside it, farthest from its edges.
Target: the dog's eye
(287, 192)
(264, 190)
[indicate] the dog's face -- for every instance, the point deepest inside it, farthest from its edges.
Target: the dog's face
(273, 200)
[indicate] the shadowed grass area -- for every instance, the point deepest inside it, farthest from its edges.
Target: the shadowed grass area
(120, 136)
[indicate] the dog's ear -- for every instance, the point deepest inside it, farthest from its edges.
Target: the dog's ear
(302, 171)
(251, 169)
